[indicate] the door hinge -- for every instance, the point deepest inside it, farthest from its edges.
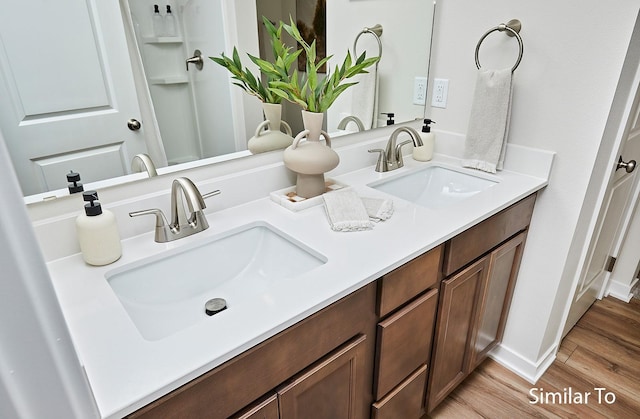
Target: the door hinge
(610, 264)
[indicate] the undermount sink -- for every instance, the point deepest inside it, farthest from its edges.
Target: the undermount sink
(433, 186)
(166, 293)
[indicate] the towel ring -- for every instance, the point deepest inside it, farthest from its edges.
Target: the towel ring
(376, 31)
(512, 27)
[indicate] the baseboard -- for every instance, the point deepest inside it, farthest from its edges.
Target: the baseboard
(620, 291)
(529, 370)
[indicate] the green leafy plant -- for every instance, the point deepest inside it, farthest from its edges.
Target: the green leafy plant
(273, 72)
(307, 89)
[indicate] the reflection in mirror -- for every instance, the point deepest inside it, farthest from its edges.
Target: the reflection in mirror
(71, 97)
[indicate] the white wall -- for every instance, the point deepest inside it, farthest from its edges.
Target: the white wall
(563, 90)
(40, 375)
(397, 68)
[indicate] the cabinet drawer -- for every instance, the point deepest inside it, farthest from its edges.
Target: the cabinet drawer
(404, 342)
(476, 241)
(404, 401)
(404, 283)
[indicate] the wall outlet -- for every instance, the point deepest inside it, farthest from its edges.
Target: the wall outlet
(440, 90)
(420, 91)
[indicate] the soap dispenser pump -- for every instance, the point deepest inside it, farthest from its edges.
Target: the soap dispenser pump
(97, 232)
(425, 151)
(390, 116)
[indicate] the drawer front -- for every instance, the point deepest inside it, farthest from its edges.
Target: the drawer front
(478, 240)
(404, 342)
(404, 401)
(408, 281)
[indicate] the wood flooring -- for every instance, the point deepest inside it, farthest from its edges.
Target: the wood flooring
(601, 351)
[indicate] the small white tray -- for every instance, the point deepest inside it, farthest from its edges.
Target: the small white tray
(287, 197)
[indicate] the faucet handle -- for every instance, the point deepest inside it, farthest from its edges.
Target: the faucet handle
(163, 230)
(398, 152)
(381, 165)
(212, 193)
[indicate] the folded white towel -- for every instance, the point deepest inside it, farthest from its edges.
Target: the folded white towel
(489, 121)
(378, 209)
(346, 212)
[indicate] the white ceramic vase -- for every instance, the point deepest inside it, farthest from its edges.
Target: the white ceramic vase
(309, 157)
(269, 135)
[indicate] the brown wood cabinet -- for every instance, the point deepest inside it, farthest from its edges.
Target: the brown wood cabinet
(475, 300)
(407, 303)
(495, 297)
(328, 389)
(456, 317)
(392, 349)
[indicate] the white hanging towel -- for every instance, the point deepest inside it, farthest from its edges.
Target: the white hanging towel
(486, 140)
(364, 99)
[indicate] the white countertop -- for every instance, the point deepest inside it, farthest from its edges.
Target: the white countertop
(126, 371)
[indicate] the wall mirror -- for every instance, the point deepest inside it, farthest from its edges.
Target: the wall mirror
(73, 91)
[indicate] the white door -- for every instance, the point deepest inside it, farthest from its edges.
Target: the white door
(613, 221)
(66, 92)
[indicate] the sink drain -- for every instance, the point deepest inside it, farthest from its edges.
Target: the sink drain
(214, 306)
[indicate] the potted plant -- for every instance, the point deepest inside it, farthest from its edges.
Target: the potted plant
(272, 138)
(307, 156)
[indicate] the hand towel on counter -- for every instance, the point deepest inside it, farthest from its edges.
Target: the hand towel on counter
(364, 99)
(489, 121)
(378, 209)
(346, 212)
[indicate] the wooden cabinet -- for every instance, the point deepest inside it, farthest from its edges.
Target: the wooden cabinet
(495, 297)
(392, 349)
(327, 390)
(407, 302)
(475, 297)
(456, 317)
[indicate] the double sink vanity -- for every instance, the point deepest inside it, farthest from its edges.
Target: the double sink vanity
(382, 323)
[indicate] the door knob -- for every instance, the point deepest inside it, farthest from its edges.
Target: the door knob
(627, 166)
(134, 124)
(196, 59)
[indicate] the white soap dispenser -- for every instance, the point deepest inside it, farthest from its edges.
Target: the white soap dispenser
(425, 151)
(97, 233)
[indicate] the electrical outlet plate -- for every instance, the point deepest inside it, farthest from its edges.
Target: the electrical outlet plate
(440, 90)
(420, 91)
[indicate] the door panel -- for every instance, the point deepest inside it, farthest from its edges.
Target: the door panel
(70, 90)
(613, 219)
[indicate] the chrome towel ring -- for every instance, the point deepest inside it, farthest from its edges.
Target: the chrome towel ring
(376, 31)
(512, 28)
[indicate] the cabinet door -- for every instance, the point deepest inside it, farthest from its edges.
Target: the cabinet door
(454, 331)
(496, 297)
(327, 390)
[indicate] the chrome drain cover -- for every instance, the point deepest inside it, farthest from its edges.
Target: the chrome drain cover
(215, 305)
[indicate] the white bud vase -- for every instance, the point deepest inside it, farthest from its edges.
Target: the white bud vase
(309, 157)
(268, 135)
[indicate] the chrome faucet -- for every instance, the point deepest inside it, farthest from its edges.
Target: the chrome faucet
(143, 163)
(391, 157)
(351, 118)
(183, 191)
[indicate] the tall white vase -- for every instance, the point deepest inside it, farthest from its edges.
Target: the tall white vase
(268, 135)
(309, 157)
